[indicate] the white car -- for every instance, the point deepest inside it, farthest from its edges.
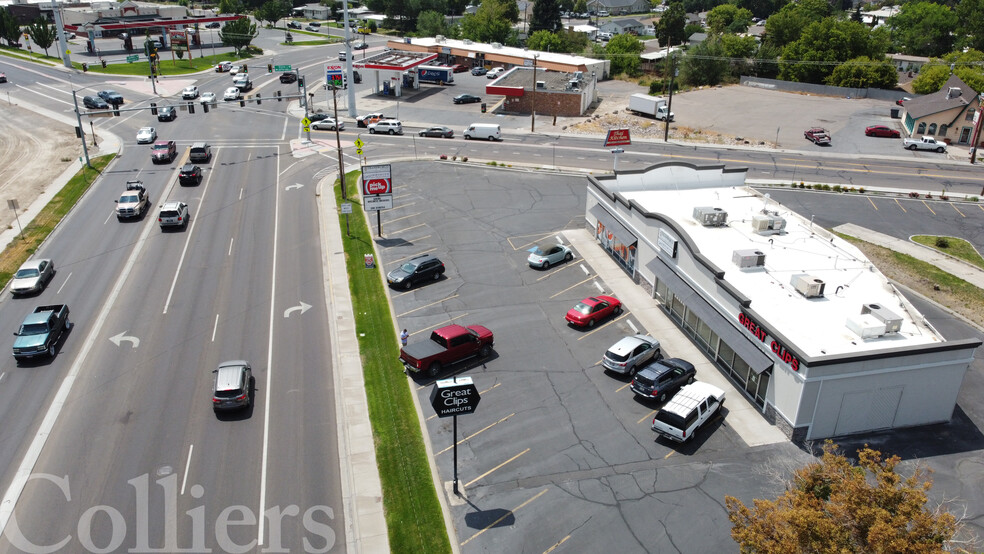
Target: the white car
(240, 78)
(208, 98)
(327, 124)
(233, 69)
(391, 126)
(146, 135)
(495, 72)
(231, 93)
(190, 93)
(222, 67)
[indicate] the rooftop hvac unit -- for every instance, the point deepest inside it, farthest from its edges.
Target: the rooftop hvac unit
(763, 223)
(807, 285)
(467, 41)
(541, 84)
(578, 76)
(748, 258)
(866, 326)
(710, 217)
(892, 321)
(496, 45)
(440, 38)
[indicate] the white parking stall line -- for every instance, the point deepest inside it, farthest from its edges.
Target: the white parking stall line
(231, 240)
(599, 287)
(585, 270)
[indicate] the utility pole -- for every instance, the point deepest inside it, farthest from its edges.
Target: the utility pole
(533, 96)
(669, 105)
(338, 143)
(977, 130)
(78, 119)
(348, 60)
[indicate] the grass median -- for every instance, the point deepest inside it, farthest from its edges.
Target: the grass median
(37, 230)
(414, 519)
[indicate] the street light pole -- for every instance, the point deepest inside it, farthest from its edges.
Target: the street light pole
(338, 143)
(533, 97)
(78, 119)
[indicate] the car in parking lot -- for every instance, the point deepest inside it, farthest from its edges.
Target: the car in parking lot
(111, 97)
(231, 385)
(495, 72)
(328, 124)
(32, 277)
(459, 68)
(213, 25)
(190, 174)
(208, 98)
(173, 214)
(818, 135)
(545, 255)
(662, 378)
(190, 92)
(688, 410)
(167, 113)
(146, 135)
(437, 131)
(288, 77)
(419, 268)
(630, 353)
(593, 309)
(94, 103)
(391, 126)
(479, 70)
(231, 93)
(466, 99)
(882, 131)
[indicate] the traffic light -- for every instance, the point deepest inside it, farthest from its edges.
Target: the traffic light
(103, 62)
(205, 107)
(116, 110)
(279, 99)
(269, 68)
(245, 69)
(78, 132)
(259, 99)
(153, 108)
(242, 103)
(191, 107)
(300, 82)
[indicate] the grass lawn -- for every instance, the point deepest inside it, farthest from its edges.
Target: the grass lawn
(413, 513)
(35, 232)
(167, 66)
(958, 248)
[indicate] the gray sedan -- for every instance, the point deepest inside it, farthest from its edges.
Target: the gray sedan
(631, 353)
(545, 255)
(32, 277)
(440, 132)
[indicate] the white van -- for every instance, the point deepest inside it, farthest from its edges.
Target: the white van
(487, 131)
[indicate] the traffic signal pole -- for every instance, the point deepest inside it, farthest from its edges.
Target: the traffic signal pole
(78, 119)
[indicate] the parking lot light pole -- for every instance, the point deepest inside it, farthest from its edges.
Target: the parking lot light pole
(533, 97)
(338, 143)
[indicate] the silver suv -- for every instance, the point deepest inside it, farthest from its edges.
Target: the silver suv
(631, 353)
(232, 385)
(173, 214)
(391, 126)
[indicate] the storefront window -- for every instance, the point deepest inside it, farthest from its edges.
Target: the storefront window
(661, 291)
(763, 388)
(704, 337)
(690, 325)
(624, 254)
(726, 355)
(740, 370)
(676, 310)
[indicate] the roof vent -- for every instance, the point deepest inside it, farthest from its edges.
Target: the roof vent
(808, 285)
(440, 38)
(866, 326)
(747, 259)
(892, 321)
(496, 45)
(710, 217)
(953, 92)
(541, 84)
(768, 224)
(467, 41)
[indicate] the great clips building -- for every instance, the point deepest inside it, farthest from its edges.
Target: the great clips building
(797, 318)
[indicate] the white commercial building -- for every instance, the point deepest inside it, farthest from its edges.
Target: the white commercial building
(799, 319)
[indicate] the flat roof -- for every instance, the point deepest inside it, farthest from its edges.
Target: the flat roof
(818, 326)
(394, 60)
(486, 48)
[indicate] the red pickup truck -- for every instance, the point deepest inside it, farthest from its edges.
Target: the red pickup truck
(446, 346)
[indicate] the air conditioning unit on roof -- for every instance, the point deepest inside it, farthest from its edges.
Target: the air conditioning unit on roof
(892, 321)
(496, 45)
(710, 217)
(767, 224)
(866, 326)
(807, 285)
(746, 259)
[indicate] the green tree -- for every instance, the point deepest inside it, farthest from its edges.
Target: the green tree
(765, 63)
(832, 505)
(623, 51)
(580, 6)
(238, 33)
(924, 28)
(545, 41)
(971, 24)
(9, 29)
(864, 72)
(42, 34)
(969, 66)
(762, 8)
(705, 63)
(728, 18)
(273, 10)
(431, 24)
(669, 28)
(546, 16)
(787, 25)
(808, 60)
(231, 6)
(492, 22)
(739, 50)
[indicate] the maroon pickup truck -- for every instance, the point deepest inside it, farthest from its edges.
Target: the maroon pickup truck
(446, 346)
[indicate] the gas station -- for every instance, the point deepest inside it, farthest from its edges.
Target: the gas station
(386, 70)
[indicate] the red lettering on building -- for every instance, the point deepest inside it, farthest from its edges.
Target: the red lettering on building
(777, 347)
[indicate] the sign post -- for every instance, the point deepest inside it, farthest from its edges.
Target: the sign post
(377, 191)
(347, 209)
(451, 397)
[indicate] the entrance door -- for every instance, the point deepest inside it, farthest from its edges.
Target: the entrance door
(964, 135)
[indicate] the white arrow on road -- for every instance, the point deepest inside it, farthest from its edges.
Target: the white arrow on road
(294, 186)
(124, 337)
(303, 308)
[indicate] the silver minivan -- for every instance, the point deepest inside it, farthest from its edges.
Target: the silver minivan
(487, 131)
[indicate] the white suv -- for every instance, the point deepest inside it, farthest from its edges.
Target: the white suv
(173, 214)
(391, 126)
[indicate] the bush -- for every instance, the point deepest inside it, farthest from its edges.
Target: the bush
(837, 188)
(826, 188)
(942, 242)
(861, 190)
(973, 199)
(913, 194)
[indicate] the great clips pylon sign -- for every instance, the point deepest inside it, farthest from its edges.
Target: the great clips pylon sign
(761, 334)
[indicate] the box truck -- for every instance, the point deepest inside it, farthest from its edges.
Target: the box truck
(435, 74)
(653, 106)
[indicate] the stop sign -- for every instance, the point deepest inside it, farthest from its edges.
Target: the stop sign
(376, 186)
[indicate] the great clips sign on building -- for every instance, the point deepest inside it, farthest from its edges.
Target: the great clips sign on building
(761, 334)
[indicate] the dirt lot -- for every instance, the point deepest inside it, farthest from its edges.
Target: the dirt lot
(34, 150)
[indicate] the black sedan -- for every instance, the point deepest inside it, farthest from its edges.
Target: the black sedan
(360, 46)
(466, 99)
(312, 117)
(479, 70)
(288, 78)
(439, 132)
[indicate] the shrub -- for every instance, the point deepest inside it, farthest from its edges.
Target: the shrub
(929, 195)
(913, 194)
(973, 198)
(944, 197)
(942, 242)
(837, 188)
(826, 188)
(861, 190)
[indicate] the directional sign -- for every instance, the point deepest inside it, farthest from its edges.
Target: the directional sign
(617, 137)
(347, 208)
(302, 308)
(281, 68)
(117, 339)
(452, 397)
(359, 143)
(133, 58)
(358, 151)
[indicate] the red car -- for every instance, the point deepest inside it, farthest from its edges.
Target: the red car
(458, 68)
(592, 309)
(881, 131)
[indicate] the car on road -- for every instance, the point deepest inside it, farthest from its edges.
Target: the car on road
(882, 131)
(94, 103)
(146, 135)
(213, 25)
(328, 124)
(479, 70)
(190, 174)
(235, 70)
(419, 268)
(111, 97)
(32, 277)
(342, 56)
(495, 72)
(167, 113)
(391, 126)
(545, 255)
(231, 93)
(593, 309)
(466, 99)
(134, 202)
(287, 78)
(208, 98)
(164, 151)
(312, 117)
(360, 46)
(459, 68)
(437, 131)
(244, 85)
(231, 385)
(173, 214)
(190, 92)
(818, 135)
(312, 29)
(222, 67)
(630, 353)
(662, 378)
(294, 24)
(369, 118)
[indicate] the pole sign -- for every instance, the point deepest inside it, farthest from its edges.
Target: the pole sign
(378, 202)
(452, 397)
(333, 74)
(376, 180)
(617, 137)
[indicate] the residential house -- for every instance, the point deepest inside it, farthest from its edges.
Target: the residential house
(947, 115)
(619, 7)
(696, 38)
(624, 27)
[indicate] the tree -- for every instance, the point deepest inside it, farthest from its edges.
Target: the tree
(864, 72)
(581, 6)
(545, 41)
(623, 51)
(492, 22)
(833, 505)
(739, 50)
(274, 10)
(971, 24)
(856, 15)
(787, 25)
(924, 28)
(808, 60)
(431, 24)
(762, 8)
(969, 66)
(238, 33)
(704, 63)
(9, 29)
(231, 6)
(546, 16)
(729, 18)
(669, 29)
(42, 34)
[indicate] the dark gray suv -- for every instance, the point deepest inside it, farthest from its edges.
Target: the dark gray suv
(232, 385)
(661, 380)
(415, 270)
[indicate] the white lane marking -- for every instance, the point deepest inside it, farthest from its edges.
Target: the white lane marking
(585, 270)
(184, 480)
(269, 380)
(634, 329)
(65, 283)
(599, 287)
(241, 190)
(109, 217)
(191, 233)
(2, 374)
(215, 327)
(231, 240)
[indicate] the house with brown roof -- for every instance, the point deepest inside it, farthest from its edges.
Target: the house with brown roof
(947, 115)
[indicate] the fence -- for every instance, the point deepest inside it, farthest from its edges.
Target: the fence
(823, 90)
